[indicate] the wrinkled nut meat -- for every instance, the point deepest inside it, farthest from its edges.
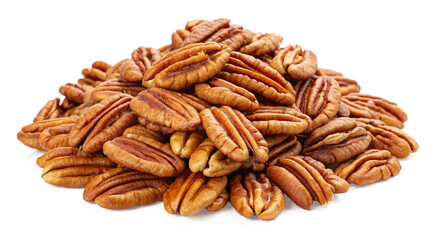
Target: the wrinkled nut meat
(204, 29)
(346, 85)
(145, 57)
(73, 92)
(254, 194)
(54, 137)
(282, 146)
(184, 143)
(234, 37)
(143, 131)
(219, 202)
(50, 110)
(54, 153)
(298, 64)
(96, 74)
(114, 87)
(369, 167)
(262, 44)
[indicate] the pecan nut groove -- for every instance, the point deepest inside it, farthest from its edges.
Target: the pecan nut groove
(298, 64)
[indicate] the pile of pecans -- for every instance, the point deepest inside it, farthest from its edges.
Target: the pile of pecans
(220, 114)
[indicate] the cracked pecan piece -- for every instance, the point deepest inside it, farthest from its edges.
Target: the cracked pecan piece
(233, 36)
(184, 67)
(274, 120)
(318, 98)
(144, 154)
(221, 92)
(336, 141)
(192, 192)
(114, 87)
(389, 138)
(254, 194)
(234, 135)
(121, 188)
(57, 136)
(262, 44)
(347, 85)
(298, 64)
(201, 30)
(372, 107)
(369, 167)
(143, 131)
(50, 110)
(102, 122)
(257, 77)
(184, 143)
(220, 201)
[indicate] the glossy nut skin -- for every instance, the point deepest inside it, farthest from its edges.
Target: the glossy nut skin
(220, 201)
(192, 192)
(336, 141)
(50, 110)
(54, 137)
(184, 143)
(347, 85)
(114, 87)
(144, 154)
(372, 107)
(389, 138)
(234, 135)
(203, 29)
(298, 64)
(184, 67)
(254, 194)
(318, 98)
(262, 44)
(369, 167)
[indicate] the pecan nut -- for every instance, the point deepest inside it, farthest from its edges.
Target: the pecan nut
(184, 143)
(57, 136)
(234, 37)
(96, 74)
(282, 146)
(114, 87)
(73, 92)
(204, 29)
(298, 64)
(50, 110)
(145, 57)
(262, 44)
(178, 38)
(220, 201)
(143, 131)
(129, 71)
(347, 85)
(54, 153)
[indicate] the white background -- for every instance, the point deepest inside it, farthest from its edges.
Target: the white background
(388, 47)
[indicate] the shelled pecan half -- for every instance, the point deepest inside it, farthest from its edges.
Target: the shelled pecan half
(184, 143)
(54, 153)
(220, 201)
(95, 75)
(114, 87)
(57, 136)
(347, 85)
(50, 110)
(204, 29)
(298, 64)
(262, 44)
(233, 36)
(143, 131)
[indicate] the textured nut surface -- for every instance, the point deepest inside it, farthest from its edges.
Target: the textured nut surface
(73, 92)
(234, 135)
(254, 194)
(114, 87)
(145, 57)
(143, 131)
(204, 29)
(282, 146)
(184, 143)
(347, 85)
(192, 192)
(262, 44)
(220, 201)
(50, 110)
(96, 74)
(234, 37)
(54, 153)
(369, 167)
(298, 64)
(57, 136)
(336, 141)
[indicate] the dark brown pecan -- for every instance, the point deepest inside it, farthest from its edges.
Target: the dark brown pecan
(346, 85)
(143, 131)
(318, 98)
(192, 192)
(254, 75)
(234, 135)
(114, 87)
(254, 194)
(144, 154)
(273, 120)
(389, 138)
(262, 44)
(369, 167)
(121, 188)
(204, 29)
(50, 110)
(184, 67)
(57, 136)
(234, 37)
(298, 64)
(336, 141)
(220, 201)
(73, 92)
(221, 92)
(102, 122)
(372, 107)
(184, 143)
(165, 108)
(54, 153)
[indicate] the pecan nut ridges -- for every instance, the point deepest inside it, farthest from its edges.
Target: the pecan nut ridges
(258, 77)
(184, 143)
(96, 74)
(254, 194)
(121, 188)
(204, 29)
(50, 110)
(336, 141)
(234, 37)
(282, 146)
(234, 135)
(114, 87)
(262, 44)
(145, 57)
(273, 120)
(298, 64)
(54, 153)
(166, 108)
(73, 92)
(368, 106)
(346, 85)
(369, 167)
(221, 92)
(389, 138)
(143, 131)
(57, 136)
(318, 98)
(220, 201)
(102, 122)
(144, 154)
(192, 192)
(184, 67)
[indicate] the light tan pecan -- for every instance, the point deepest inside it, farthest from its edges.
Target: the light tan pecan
(50, 110)
(221, 92)
(336, 141)
(184, 67)
(200, 30)
(220, 201)
(347, 85)
(254, 194)
(233, 36)
(389, 138)
(121, 188)
(114, 87)
(298, 64)
(262, 44)
(143, 131)
(144, 154)
(184, 143)
(372, 107)
(369, 167)
(73, 92)
(57, 136)
(56, 152)
(318, 98)
(257, 77)
(192, 192)
(234, 135)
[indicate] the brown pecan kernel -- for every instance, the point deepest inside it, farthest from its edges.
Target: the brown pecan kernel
(282, 146)
(204, 29)
(50, 110)
(262, 44)
(346, 85)
(73, 92)
(368, 106)
(298, 64)
(74, 171)
(129, 71)
(178, 38)
(54, 153)
(144, 154)
(389, 138)
(57, 136)
(184, 143)
(155, 127)
(79, 109)
(196, 102)
(192, 192)
(234, 37)
(145, 57)
(218, 91)
(257, 77)
(318, 98)
(143, 131)
(273, 120)
(166, 108)
(254, 194)
(219, 202)
(184, 67)
(114, 87)
(95, 75)
(336, 141)
(369, 167)
(234, 135)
